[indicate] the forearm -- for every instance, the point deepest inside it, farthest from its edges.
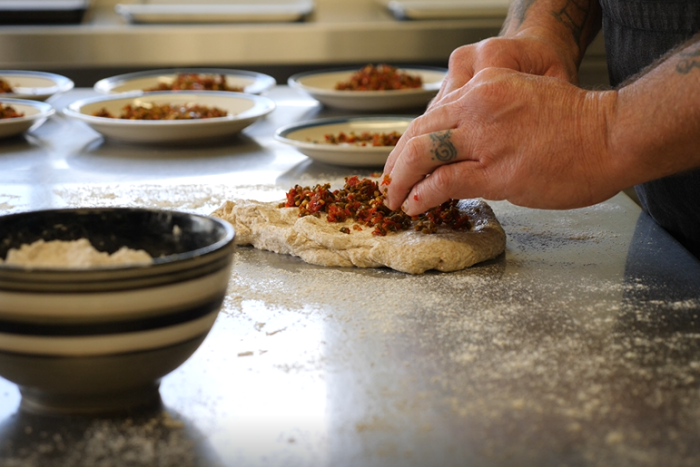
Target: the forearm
(570, 25)
(655, 128)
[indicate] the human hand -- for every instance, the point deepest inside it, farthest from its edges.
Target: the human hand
(526, 54)
(535, 141)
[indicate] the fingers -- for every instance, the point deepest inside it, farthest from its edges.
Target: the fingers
(464, 62)
(448, 86)
(432, 121)
(439, 144)
(421, 156)
(461, 70)
(464, 179)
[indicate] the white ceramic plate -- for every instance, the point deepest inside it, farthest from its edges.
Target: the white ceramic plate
(305, 138)
(35, 85)
(251, 82)
(211, 11)
(321, 86)
(35, 113)
(447, 9)
(243, 109)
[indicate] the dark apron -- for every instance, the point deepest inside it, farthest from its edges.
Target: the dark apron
(636, 34)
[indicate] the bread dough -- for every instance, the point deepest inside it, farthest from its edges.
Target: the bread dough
(317, 241)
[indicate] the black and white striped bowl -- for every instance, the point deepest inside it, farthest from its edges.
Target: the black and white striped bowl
(100, 339)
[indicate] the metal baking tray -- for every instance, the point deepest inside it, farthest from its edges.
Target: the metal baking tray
(211, 11)
(446, 9)
(25, 12)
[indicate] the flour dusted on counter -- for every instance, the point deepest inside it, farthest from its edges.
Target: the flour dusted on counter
(76, 254)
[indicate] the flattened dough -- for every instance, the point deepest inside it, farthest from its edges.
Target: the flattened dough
(317, 241)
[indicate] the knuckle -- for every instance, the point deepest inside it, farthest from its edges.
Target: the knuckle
(416, 125)
(430, 193)
(492, 47)
(442, 178)
(490, 84)
(413, 152)
(487, 47)
(460, 54)
(488, 75)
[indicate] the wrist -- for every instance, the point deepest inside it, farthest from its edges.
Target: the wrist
(651, 140)
(569, 26)
(558, 41)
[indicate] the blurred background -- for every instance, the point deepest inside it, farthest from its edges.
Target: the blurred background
(87, 40)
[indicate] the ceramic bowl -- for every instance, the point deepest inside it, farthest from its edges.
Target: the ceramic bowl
(321, 86)
(309, 139)
(100, 339)
(35, 85)
(243, 110)
(250, 81)
(34, 115)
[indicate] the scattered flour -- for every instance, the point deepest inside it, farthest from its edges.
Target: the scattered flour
(532, 362)
(159, 440)
(526, 365)
(76, 254)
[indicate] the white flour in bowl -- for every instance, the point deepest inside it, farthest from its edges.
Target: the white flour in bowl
(74, 254)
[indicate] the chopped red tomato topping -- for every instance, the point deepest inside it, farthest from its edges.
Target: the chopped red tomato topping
(380, 78)
(362, 201)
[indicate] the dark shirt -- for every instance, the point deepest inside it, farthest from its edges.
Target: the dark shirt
(637, 32)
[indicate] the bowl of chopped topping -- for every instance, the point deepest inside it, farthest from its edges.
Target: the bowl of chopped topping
(371, 88)
(34, 85)
(18, 116)
(170, 117)
(363, 141)
(187, 79)
(98, 304)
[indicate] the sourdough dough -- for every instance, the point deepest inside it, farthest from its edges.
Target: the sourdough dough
(317, 241)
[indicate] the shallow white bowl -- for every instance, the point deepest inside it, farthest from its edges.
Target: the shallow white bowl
(308, 139)
(244, 109)
(251, 11)
(35, 85)
(100, 339)
(447, 9)
(35, 113)
(321, 86)
(251, 82)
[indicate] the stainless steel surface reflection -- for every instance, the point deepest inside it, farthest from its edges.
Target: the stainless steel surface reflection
(577, 347)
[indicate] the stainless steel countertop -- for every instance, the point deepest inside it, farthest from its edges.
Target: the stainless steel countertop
(578, 346)
(338, 32)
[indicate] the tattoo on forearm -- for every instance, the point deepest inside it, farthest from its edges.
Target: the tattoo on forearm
(686, 56)
(688, 60)
(443, 150)
(574, 15)
(519, 11)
